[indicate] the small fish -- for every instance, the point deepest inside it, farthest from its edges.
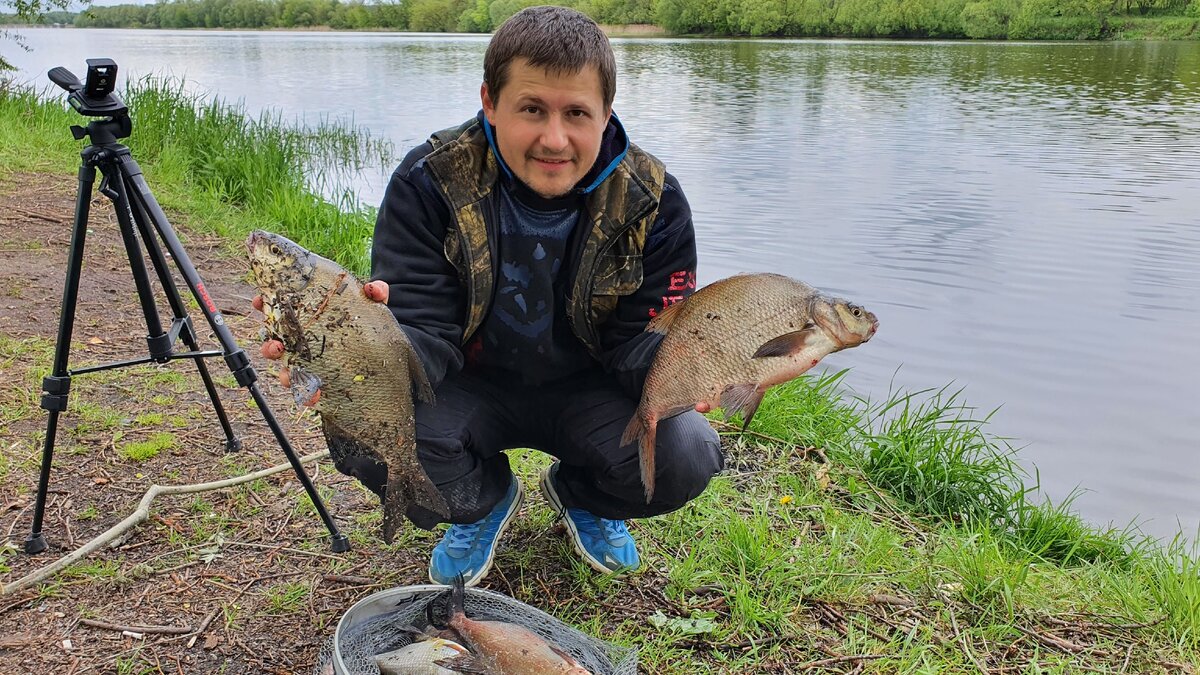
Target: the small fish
(349, 359)
(731, 341)
(496, 647)
(420, 658)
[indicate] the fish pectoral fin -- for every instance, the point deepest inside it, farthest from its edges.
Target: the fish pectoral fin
(743, 398)
(304, 385)
(788, 343)
(661, 323)
(463, 663)
(563, 655)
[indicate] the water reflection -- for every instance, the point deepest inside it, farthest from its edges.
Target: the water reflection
(1022, 217)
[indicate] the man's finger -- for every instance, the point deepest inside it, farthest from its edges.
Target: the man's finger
(272, 349)
(285, 378)
(313, 401)
(257, 302)
(377, 291)
(703, 407)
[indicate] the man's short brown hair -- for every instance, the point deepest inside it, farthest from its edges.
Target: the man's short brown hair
(558, 39)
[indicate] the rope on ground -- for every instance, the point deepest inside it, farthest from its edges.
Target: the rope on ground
(140, 514)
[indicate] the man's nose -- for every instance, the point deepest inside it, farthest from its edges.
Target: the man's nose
(554, 135)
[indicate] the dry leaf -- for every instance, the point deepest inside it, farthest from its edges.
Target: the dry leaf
(95, 341)
(822, 476)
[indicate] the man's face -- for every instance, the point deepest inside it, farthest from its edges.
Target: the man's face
(548, 125)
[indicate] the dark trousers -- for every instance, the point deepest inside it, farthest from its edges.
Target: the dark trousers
(461, 439)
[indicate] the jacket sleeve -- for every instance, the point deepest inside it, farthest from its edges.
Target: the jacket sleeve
(668, 276)
(408, 252)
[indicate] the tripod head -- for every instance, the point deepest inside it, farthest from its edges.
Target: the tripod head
(95, 98)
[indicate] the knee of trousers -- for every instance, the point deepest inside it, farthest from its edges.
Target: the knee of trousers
(687, 456)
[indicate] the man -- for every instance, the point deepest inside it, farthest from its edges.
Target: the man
(523, 252)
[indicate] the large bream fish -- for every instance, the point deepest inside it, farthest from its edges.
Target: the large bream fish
(497, 647)
(731, 341)
(351, 350)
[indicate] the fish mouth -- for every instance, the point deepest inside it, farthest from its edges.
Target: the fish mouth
(871, 333)
(252, 240)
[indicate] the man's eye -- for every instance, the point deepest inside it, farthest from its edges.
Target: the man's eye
(578, 113)
(531, 109)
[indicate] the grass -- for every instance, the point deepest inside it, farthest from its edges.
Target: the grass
(781, 561)
(141, 451)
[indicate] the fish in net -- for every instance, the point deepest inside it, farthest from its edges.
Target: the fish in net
(382, 623)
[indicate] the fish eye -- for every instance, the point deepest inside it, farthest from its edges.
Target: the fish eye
(275, 249)
(856, 312)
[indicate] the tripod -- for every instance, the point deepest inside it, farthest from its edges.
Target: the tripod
(141, 220)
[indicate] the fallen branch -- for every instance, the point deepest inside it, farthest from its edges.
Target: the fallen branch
(839, 659)
(161, 630)
(140, 514)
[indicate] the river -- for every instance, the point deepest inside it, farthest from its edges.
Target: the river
(1024, 218)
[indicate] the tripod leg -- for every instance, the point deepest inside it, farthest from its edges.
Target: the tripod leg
(56, 386)
(235, 357)
(187, 332)
(113, 187)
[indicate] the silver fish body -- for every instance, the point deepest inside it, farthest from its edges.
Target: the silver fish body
(420, 658)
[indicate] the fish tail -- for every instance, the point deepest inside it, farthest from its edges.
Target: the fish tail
(643, 430)
(646, 455)
(448, 604)
(405, 488)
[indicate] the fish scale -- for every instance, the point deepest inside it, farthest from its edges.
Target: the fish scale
(732, 340)
(350, 355)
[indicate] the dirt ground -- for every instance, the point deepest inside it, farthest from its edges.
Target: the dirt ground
(260, 597)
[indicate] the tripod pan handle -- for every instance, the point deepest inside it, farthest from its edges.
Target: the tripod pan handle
(65, 78)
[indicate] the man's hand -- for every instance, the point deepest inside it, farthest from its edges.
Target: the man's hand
(703, 407)
(376, 291)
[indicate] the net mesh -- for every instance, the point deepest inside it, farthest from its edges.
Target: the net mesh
(379, 624)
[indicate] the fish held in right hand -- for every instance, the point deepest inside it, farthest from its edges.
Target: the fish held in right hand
(731, 341)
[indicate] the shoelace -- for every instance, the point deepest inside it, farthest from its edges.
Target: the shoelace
(461, 537)
(614, 529)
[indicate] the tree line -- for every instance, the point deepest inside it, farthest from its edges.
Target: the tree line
(991, 19)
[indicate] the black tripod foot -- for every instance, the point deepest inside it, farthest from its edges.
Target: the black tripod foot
(35, 543)
(340, 543)
(233, 445)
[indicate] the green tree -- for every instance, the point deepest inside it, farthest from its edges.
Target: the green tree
(26, 11)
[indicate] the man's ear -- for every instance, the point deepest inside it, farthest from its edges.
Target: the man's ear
(489, 106)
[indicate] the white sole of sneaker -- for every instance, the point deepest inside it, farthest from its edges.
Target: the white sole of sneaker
(552, 498)
(508, 518)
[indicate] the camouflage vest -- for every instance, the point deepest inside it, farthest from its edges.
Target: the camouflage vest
(619, 212)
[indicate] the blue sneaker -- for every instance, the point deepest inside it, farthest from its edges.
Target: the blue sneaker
(604, 544)
(469, 549)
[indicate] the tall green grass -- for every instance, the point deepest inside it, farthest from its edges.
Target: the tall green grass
(238, 172)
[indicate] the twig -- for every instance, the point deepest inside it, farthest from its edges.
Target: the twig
(139, 515)
(839, 659)
(161, 630)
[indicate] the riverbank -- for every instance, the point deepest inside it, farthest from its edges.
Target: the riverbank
(882, 537)
(927, 19)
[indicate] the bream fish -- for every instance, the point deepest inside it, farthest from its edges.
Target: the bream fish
(731, 341)
(350, 355)
(498, 647)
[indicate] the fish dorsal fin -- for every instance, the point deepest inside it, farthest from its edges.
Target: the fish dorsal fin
(661, 323)
(788, 343)
(463, 663)
(419, 378)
